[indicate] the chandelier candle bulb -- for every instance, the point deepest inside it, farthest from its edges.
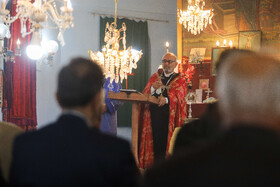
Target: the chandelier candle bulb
(217, 43)
(69, 5)
(38, 4)
(230, 43)
(18, 44)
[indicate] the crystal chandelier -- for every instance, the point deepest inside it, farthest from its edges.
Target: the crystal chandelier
(116, 63)
(34, 17)
(195, 18)
(39, 12)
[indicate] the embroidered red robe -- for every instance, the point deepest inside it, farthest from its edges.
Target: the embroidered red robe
(177, 116)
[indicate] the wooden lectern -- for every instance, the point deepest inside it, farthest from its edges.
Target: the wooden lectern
(136, 98)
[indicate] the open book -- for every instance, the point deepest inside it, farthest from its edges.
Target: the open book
(129, 91)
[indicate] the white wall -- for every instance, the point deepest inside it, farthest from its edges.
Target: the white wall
(85, 35)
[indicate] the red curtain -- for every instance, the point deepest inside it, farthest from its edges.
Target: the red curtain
(20, 82)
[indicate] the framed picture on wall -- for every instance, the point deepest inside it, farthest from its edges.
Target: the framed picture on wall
(196, 54)
(250, 40)
(216, 51)
(203, 84)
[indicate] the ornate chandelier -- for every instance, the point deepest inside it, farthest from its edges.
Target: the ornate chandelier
(33, 16)
(195, 18)
(116, 63)
(39, 12)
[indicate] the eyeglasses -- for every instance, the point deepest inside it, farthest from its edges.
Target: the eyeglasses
(168, 61)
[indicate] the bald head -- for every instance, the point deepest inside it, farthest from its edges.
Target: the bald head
(169, 62)
(230, 53)
(79, 82)
(169, 54)
(248, 89)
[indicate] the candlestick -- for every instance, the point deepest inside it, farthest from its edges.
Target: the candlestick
(65, 5)
(167, 46)
(3, 5)
(69, 5)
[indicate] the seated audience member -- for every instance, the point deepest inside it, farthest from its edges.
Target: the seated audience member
(206, 129)
(248, 154)
(8, 132)
(72, 151)
(199, 132)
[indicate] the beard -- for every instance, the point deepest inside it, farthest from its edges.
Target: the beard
(167, 70)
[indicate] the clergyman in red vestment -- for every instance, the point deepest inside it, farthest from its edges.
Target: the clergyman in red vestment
(157, 122)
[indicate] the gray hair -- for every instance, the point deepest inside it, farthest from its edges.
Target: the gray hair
(248, 88)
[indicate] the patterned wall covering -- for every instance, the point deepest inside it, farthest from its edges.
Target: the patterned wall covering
(232, 19)
(232, 16)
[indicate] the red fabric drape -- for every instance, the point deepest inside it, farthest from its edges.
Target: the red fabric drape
(20, 82)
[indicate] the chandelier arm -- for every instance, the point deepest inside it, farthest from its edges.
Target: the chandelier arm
(62, 22)
(27, 33)
(10, 19)
(50, 10)
(124, 47)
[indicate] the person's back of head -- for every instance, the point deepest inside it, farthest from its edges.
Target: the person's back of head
(208, 127)
(79, 82)
(80, 87)
(230, 53)
(248, 89)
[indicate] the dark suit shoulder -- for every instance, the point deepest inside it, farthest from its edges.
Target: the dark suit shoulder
(109, 142)
(69, 152)
(244, 156)
(29, 136)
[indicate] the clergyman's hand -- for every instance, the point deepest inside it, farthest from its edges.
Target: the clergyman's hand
(157, 85)
(162, 101)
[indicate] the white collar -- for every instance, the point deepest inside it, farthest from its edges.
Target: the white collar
(167, 75)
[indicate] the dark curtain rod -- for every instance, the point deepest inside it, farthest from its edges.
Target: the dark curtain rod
(133, 18)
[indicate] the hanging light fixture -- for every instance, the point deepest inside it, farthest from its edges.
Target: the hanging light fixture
(116, 63)
(38, 15)
(34, 50)
(195, 18)
(50, 48)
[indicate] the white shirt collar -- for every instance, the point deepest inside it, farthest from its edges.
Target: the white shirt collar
(167, 75)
